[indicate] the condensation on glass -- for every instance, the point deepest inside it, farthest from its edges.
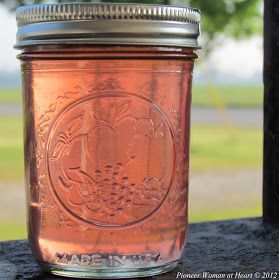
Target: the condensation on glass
(107, 93)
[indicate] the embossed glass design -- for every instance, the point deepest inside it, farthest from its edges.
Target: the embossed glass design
(107, 157)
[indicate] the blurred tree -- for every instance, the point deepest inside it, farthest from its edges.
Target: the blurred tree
(233, 18)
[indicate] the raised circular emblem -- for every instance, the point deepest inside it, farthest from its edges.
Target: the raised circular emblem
(111, 159)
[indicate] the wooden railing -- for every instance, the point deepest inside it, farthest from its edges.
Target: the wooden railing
(271, 113)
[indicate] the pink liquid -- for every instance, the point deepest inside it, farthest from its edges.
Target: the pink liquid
(106, 154)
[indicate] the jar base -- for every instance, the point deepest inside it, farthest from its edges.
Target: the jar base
(82, 272)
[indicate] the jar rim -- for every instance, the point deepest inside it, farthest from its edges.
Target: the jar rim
(107, 23)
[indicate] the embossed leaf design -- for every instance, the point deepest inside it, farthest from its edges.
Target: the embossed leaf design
(122, 109)
(59, 149)
(100, 116)
(113, 114)
(74, 125)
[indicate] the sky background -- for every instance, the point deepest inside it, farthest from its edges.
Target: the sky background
(232, 62)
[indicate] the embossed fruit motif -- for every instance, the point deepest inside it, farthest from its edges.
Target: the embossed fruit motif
(109, 167)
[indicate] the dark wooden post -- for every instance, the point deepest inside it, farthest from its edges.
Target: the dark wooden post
(271, 113)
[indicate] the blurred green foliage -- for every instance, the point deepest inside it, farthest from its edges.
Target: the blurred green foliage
(237, 96)
(233, 96)
(254, 210)
(12, 231)
(9, 96)
(212, 148)
(225, 148)
(11, 148)
(233, 18)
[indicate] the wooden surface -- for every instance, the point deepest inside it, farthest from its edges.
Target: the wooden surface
(244, 245)
(271, 112)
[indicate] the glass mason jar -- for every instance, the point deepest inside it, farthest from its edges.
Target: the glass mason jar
(107, 93)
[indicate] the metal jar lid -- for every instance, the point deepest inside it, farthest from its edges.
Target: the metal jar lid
(103, 23)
